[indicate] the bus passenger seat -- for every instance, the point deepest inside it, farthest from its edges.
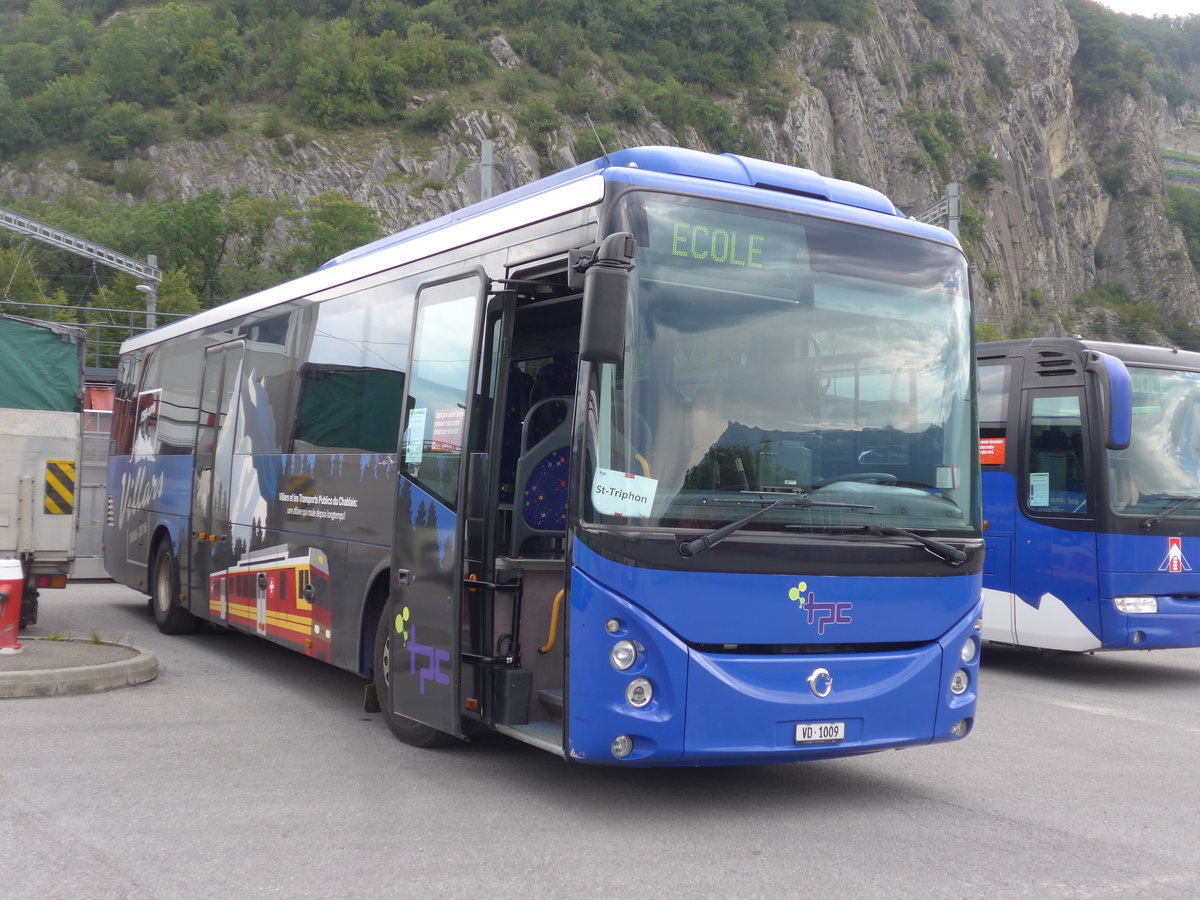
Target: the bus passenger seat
(555, 379)
(541, 479)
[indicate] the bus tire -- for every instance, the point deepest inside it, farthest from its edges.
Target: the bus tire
(410, 731)
(170, 617)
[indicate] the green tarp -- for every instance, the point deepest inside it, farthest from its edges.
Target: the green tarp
(351, 409)
(41, 365)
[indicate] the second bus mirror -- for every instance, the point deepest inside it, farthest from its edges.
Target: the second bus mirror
(1116, 397)
(606, 300)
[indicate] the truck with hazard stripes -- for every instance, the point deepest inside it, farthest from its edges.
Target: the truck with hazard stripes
(41, 393)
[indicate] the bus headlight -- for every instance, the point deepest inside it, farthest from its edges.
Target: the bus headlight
(639, 692)
(623, 655)
(969, 649)
(1136, 604)
(959, 682)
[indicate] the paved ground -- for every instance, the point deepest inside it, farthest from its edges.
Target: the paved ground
(48, 663)
(246, 770)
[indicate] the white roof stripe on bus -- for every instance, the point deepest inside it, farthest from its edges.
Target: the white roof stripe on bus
(560, 199)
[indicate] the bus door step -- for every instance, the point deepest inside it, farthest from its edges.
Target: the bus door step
(552, 702)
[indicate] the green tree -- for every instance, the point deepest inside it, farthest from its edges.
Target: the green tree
(331, 225)
(18, 275)
(939, 12)
(193, 235)
(68, 35)
(1183, 208)
(852, 15)
(63, 109)
(19, 131)
(174, 297)
(126, 66)
(27, 67)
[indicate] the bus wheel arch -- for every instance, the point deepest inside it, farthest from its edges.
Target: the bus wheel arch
(160, 537)
(170, 617)
(373, 605)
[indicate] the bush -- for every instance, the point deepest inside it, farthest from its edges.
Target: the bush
(433, 115)
(119, 130)
(996, 68)
(540, 119)
(940, 13)
(65, 106)
(589, 146)
(986, 170)
(626, 106)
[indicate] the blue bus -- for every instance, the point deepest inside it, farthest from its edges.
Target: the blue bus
(667, 459)
(1090, 454)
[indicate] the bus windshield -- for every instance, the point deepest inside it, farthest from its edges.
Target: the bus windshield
(775, 355)
(1161, 466)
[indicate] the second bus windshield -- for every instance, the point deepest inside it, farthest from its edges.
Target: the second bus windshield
(774, 354)
(1161, 466)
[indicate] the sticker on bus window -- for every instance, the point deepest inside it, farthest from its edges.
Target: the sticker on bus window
(1039, 488)
(414, 438)
(947, 477)
(616, 493)
(447, 430)
(992, 451)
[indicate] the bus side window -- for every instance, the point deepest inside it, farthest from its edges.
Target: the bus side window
(1057, 480)
(994, 381)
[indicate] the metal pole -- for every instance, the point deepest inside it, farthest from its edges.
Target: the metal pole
(150, 289)
(485, 171)
(953, 207)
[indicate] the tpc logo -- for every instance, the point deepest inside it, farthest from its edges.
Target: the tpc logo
(1175, 561)
(820, 614)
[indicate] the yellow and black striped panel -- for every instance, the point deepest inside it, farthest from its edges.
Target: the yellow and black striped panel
(60, 487)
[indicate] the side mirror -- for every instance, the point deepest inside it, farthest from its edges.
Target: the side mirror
(606, 299)
(1116, 397)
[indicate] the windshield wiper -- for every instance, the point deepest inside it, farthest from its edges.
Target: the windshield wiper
(955, 556)
(1180, 502)
(714, 537)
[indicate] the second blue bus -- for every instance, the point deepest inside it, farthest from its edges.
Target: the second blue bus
(1091, 488)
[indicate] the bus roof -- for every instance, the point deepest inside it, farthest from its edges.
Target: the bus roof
(568, 190)
(1134, 354)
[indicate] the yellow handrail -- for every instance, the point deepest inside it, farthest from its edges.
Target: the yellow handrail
(645, 465)
(554, 622)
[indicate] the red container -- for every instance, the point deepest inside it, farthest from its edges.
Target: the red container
(11, 580)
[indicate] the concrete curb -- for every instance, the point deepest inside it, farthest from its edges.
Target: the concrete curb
(140, 667)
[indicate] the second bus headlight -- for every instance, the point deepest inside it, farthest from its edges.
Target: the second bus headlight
(969, 649)
(623, 655)
(1136, 604)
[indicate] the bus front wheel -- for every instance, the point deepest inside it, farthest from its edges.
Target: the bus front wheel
(408, 730)
(164, 588)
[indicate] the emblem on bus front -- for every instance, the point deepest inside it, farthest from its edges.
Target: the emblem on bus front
(820, 614)
(1175, 561)
(820, 682)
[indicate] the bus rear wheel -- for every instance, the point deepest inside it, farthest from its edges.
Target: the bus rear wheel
(408, 730)
(164, 588)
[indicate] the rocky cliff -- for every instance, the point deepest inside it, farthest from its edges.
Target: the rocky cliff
(1059, 196)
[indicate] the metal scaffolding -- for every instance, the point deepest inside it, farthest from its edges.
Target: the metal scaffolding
(147, 271)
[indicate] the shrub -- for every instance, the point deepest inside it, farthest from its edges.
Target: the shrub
(119, 130)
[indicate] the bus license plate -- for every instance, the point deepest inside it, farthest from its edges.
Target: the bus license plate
(820, 732)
